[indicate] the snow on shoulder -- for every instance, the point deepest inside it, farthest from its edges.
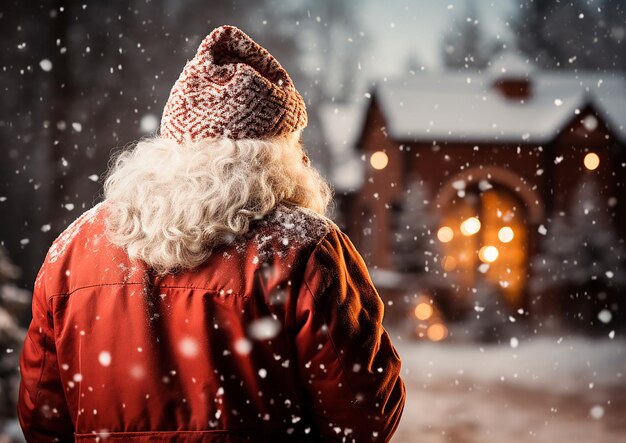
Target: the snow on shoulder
(289, 226)
(60, 245)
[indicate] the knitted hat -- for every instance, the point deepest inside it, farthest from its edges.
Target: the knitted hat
(232, 88)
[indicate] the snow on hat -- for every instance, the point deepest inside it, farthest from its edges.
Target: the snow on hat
(232, 88)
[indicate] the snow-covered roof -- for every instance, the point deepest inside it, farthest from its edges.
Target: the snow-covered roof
(455, 106)
(466, 107)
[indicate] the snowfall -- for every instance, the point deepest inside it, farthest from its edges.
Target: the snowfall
(550, 389)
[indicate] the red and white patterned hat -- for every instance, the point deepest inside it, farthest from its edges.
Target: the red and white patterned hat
(232, 88)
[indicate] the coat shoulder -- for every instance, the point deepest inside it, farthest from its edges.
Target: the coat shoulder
(84, 231)
(299, 224)
(65, 240)
(289, 228)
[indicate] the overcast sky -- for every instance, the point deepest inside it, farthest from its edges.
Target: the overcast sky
(400, 28)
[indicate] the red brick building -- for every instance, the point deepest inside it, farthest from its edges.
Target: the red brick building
(507, 147)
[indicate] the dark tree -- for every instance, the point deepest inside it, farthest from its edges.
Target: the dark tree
(574, 34)
(14, 317)
(414, 241)
(25, 123)
(611, 31)
(581, 255)
(581, 247)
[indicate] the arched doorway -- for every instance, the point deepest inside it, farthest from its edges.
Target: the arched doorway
(484, 234)
(483, 238)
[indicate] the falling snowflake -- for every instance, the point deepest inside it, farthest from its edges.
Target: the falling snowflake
(596, 412)
(45, 65)
(243, 346)
(188, 346)
(264, 328)
(104, 358)
(605, 316)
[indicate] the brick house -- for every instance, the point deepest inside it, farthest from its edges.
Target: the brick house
(506, 147)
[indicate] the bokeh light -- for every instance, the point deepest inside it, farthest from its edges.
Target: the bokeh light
(591, 161)
(488, 254)
(505, 234)
(470, 226)
(437, 332)
(423, 311)
(379, 160)
(445, 234)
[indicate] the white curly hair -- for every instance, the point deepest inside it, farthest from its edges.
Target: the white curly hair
(171, 204)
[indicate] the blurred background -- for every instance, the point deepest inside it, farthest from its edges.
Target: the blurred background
(478, 155)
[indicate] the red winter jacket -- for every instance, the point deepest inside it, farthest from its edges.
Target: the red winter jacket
(277, 337)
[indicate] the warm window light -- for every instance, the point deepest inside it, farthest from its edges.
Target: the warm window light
(488, 254)
(505, 234)
(591, 161)
(470, 226)
(379, 160)
(437, 332)
(445, 234)
(423, 311)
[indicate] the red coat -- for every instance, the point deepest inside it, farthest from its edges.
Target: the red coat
(277, 337)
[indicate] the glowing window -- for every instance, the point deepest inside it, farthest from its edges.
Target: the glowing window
(379, 160)
(591, 161)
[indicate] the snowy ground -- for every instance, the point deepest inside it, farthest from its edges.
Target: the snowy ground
(548, 390)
